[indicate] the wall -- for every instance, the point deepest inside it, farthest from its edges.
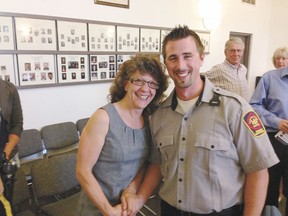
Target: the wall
(44, 106)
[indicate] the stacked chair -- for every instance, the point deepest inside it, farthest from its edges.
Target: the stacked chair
(55, 186)
(60, 138)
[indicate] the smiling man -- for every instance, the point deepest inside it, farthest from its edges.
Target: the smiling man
(231, 74)
(210, 147)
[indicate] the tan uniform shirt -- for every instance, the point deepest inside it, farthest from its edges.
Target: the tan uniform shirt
(205, 153)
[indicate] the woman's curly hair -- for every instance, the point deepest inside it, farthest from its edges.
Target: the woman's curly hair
(143, 63)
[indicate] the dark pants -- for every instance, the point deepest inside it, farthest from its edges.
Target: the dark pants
(168, 210)
(276, 172)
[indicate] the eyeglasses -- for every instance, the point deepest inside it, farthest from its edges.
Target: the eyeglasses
(141, 82)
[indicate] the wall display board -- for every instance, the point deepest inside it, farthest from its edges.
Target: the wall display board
(72, 68)
(150, 40)
(102, 67)
(102, 37)
(35, 34)
(7, 72)
(45, 51)
(36, 69)
(72, 36)
(127, 39)
(6, 33)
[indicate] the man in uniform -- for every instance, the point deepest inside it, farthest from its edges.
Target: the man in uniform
(210, 146)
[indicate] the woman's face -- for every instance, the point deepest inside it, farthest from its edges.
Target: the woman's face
(281, 61)
(141, 89)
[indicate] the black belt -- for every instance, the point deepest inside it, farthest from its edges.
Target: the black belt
(236, 210)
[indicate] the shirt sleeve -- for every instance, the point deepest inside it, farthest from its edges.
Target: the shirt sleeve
(259, 103)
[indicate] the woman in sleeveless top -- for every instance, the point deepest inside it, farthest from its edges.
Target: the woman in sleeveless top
(115, 144)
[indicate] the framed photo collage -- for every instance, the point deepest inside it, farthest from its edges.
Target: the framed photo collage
(39, 51)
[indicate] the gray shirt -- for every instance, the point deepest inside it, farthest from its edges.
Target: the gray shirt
(205, 153)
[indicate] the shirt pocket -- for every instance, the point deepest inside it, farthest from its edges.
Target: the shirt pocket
(166, 147)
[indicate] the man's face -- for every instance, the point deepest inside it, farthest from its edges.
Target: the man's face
(183, 62)
(234, 53)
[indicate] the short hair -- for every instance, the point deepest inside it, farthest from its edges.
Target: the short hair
(233, 40)
(180, 32)
(143, 63)
(279, 52)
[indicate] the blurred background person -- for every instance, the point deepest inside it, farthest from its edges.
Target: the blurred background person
(280, 57)
(231, 74)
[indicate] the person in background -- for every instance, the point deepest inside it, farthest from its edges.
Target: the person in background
(271, 103)
(210, 146)
(280, 60)
(231, 74)
(115, 143)
(280, 57)
(11, 121)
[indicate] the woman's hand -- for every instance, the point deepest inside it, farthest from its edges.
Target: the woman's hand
(130, 203)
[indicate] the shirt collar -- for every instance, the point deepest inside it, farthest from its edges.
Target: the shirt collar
(231, 65)
(205, 96)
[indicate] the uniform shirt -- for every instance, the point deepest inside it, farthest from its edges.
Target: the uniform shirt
(205, 152)
(230, 77)
(270, 99)
(11, 107)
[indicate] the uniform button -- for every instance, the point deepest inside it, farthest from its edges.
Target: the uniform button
(180, 179)
(217, 89)
(181, 159)
(212, 146)
(179, 201)
(185, 118)
(183, 138)
(160, 144)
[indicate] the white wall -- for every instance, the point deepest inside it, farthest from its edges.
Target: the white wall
(44, 106)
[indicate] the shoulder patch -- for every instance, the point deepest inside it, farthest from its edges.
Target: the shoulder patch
(254, 123)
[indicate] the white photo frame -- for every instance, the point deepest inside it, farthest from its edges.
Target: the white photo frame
(35, 34)
(72, 36)
(36, 69)
(149, 40)
(102, 67)
(6, 33)
(102, 37)
(7, 71)
(72, 68)
(127, 39)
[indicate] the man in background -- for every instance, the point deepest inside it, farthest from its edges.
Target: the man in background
(231, 74)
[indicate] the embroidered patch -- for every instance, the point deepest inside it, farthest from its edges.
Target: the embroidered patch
(254, 124)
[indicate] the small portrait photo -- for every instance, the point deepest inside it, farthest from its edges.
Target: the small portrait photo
(46, 66)
(72, 31)
(50, 75)
(111, 67)
(25, 77)
(63, 60)
(27, 66)
(64, 76)
(63, 68)
(82, 75)
(5, 28)
(43, 76)
(94, 59)
(32, 76)
(103, 75)
(37, 66)
(73, 75)
(82, 60)
(94, 67)
(94, 76)
(111, 59)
